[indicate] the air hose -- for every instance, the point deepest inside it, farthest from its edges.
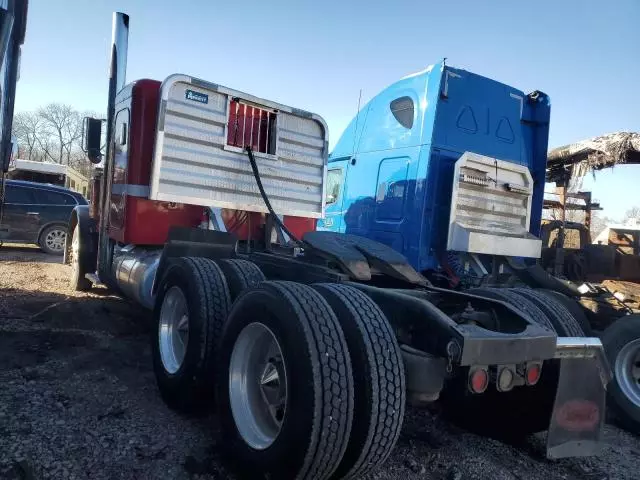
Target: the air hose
(256, 175)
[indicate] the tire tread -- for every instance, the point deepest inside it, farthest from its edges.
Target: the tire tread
(385, 373)
(334, 415)
(212, 288)
(564, 322)
(240, 274)
(190, 390)
(510, 297)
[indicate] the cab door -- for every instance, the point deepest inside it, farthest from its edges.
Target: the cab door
(117, 213)
(334, 195)
(381, 177)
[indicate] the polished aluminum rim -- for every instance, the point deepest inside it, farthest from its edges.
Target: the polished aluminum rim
(55, 240)
(257, 386)
(173, 331)
(75, 248)
(627, 371)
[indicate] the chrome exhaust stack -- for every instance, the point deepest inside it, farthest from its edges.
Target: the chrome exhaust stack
(119, 49)
(117, 77)
(118, 66)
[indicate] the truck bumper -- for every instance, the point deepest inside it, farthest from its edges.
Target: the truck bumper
(578, 413)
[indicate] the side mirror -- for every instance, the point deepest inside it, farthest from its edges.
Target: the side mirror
(91, 138)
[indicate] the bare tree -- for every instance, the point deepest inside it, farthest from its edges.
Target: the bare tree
(28, 128)
(47, 149)
(53, 133)
(64, 124)
(632, 213)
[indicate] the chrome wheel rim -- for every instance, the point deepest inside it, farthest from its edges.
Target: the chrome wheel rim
(627, 371)
(55, 240)
(75, 249)
(173, 330)
(257, 386)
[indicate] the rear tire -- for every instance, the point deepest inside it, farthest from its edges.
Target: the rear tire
(565, 324)
(184, 362)
(574, 307)
(240, 275)
(52, 239)
(510, 297)
(621, 343)
(378, 374)
(309, 438)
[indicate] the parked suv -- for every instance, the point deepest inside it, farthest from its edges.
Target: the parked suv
(37, 213)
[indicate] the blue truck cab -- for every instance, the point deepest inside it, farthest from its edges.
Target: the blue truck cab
(442, 160)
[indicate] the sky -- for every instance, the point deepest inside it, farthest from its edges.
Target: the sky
(317, 56)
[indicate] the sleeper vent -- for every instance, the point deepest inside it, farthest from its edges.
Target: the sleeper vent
(251, 125)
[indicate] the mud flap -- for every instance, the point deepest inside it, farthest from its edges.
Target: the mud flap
(579, 410)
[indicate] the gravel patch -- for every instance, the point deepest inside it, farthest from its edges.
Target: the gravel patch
(78, 400)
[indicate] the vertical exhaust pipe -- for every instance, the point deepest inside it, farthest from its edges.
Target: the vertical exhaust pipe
(119, 48)
(117, 68)
(117, 71)
(117, 77)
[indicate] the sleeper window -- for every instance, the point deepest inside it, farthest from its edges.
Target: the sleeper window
(402, 109)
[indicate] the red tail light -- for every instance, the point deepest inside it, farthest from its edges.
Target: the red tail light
(534, 370)
(478, 379)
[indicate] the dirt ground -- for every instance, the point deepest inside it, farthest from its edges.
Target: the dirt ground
(78, 400)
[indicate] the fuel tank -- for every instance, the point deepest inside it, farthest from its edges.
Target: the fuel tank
(134, 269)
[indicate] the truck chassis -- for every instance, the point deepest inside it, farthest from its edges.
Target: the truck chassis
(335, 338)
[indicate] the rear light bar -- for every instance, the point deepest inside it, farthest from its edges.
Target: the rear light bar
(506, 377)
(252, 126)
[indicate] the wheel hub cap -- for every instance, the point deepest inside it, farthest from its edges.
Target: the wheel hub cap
(173, 329)
(55, 240)
(273, 390)
(257, 386)
(627, 371)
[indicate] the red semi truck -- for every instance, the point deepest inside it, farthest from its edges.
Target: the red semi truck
(309, 344)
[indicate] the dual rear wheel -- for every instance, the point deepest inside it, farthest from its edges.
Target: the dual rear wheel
(308, 381)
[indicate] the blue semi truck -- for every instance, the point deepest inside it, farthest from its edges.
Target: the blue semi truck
(443, 160)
